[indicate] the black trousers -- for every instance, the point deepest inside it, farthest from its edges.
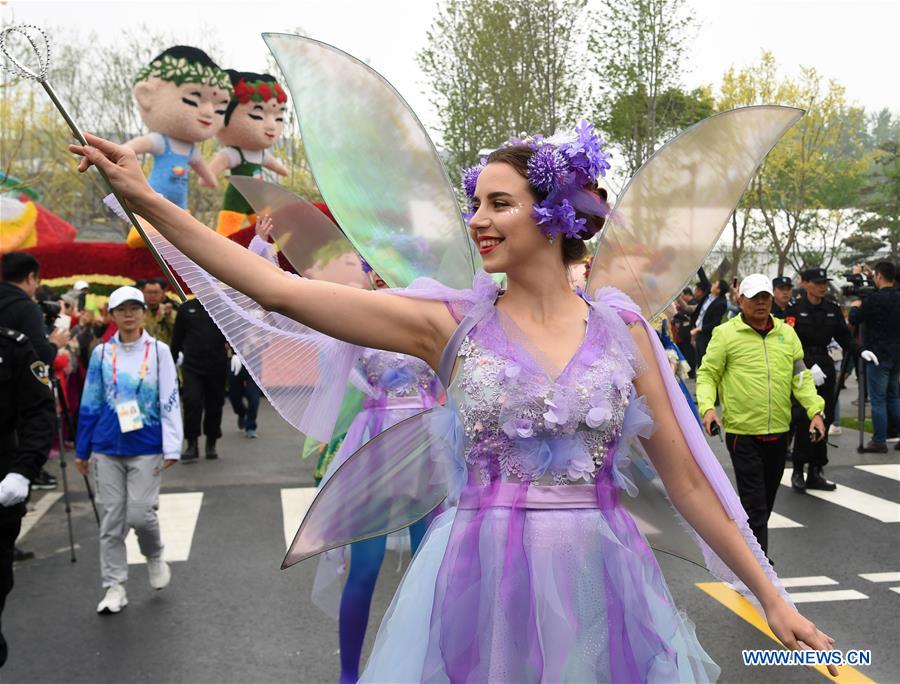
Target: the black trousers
(758, 462)
(10, 524)
(804, 450)
(203, 396)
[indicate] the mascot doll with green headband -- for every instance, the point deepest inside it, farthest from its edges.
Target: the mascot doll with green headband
(254, 121)
(182, 96)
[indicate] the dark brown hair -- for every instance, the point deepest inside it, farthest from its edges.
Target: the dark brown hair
(573, 249)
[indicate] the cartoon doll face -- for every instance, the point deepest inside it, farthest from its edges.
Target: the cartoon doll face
(191, 112)
(254, 125)
(255, 119)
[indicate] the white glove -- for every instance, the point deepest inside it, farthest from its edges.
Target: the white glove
(818, 375)
(180, 360)
(13, 489)
(235, 364)
(866, 355)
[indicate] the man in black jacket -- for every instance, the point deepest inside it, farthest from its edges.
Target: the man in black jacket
(27, 425)
(708, 315)
(19, 311)
(880, 316)
(204, 372)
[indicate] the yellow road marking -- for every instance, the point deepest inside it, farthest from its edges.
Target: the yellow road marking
(736, 603)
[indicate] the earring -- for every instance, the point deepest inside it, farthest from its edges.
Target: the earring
(550, 239)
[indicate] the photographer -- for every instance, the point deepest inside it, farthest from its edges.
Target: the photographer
(880, 314)
(19, 311)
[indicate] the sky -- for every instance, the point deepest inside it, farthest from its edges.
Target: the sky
(856, 42)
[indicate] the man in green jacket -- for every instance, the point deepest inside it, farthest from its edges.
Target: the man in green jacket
(754, 363)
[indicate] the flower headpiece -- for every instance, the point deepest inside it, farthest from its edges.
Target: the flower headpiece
(181, 70)
(258, 91)
(560, 168)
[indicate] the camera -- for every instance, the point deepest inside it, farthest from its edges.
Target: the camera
(51, 311)
(860, 286)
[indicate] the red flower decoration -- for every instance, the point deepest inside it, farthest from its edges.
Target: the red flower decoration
(279, 94)
(243, 92)
(265, 91)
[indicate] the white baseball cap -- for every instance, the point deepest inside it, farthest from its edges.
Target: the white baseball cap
(81, 285)
(755, 283)
(125, 294)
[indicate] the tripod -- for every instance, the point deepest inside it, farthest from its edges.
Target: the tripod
(62, 414)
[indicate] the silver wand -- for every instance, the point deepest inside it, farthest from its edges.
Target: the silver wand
(15, 68)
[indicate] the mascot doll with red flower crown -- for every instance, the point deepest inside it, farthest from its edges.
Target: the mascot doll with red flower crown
(182, 96)
(254, 121)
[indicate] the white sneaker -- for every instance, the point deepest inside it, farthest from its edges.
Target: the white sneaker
(159, 572)
(114, 601)
(835, 430)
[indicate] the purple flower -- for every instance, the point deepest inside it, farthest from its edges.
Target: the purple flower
(365, 265)
(597, 416)
(557, 413)
(558, 218)
(470, 177)
(580, 466)
(395, 378)
(510, 371)
(518, 427)
(548, 169)
(586, 154)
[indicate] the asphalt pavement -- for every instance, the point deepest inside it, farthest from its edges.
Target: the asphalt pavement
(231, 615)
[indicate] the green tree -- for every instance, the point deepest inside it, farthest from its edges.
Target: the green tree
(638, 58)
(879, 199)
(497, 68)
(804, 196)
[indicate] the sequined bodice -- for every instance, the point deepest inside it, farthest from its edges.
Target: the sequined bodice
(521, 425)
(397, 375)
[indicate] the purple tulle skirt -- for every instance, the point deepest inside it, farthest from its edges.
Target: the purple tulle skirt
(536, 583)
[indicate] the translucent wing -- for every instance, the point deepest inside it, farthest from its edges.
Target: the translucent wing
(673, 210)
(310, 240)
(375, 165)
(394, 480)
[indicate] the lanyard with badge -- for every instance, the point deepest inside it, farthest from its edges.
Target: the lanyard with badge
(129, 412)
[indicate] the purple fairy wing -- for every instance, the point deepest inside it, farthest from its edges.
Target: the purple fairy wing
(673, 210)
(391, 482)
(375, 165)
(302, 372)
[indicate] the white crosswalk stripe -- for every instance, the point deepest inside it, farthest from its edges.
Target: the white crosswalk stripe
(889, 470)
(824, 596)
(881, 576)
(294, 504)
(815, 581)
(778, 521)
(855, 500)
(178, 515)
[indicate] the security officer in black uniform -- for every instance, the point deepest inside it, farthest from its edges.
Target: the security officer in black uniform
(204, 374)
(816, 321)
(27, 426)
(782, 295)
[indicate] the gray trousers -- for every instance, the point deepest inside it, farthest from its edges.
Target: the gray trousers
(128, 494)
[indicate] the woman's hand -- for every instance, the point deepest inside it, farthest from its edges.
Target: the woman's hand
(796, 632)
(120, 165)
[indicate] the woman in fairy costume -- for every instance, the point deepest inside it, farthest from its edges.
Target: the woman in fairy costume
(540, 573)
(527, 582)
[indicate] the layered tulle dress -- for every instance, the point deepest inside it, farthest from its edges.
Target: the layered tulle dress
(538, 573)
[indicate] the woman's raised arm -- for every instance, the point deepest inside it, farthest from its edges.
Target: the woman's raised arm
(383, 321)
(693, 496)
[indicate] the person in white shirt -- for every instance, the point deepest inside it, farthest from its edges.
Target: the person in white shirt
(129, 431)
